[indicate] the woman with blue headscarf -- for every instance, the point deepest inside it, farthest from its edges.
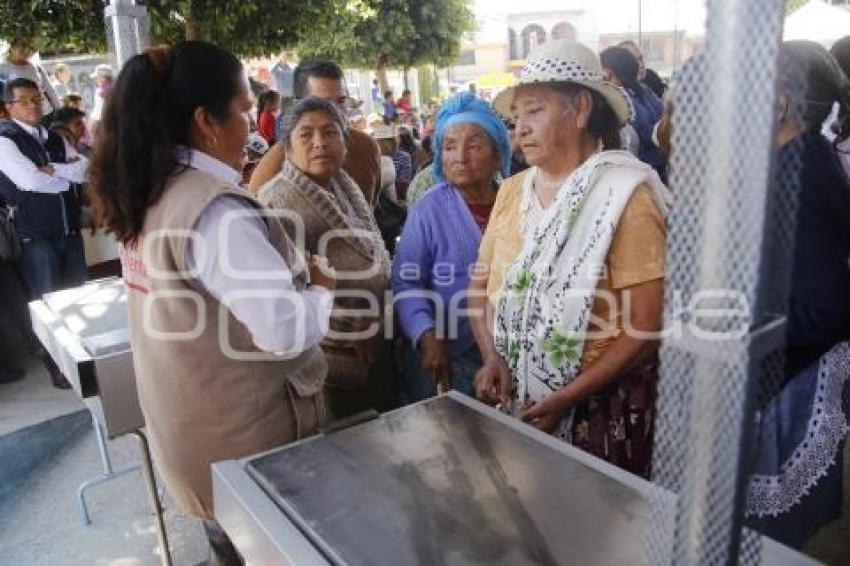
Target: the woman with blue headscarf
(439, 246)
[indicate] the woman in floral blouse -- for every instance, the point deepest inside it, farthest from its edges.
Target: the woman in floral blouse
(570, 283)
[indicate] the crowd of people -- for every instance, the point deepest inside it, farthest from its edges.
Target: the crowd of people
(45, 141)
(514, 251)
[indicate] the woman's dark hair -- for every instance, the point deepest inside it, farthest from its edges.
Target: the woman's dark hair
(296, 110)
(266, 97)
(623, 64)
(406, 141)
(813, 81)
(150, 112)
(841, 52)
(603, 123)
(64, 115)
(426, 145)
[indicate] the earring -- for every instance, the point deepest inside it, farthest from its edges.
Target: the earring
(213, 143)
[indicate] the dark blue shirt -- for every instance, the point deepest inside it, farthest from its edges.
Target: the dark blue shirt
(648, 110)
(819, 310)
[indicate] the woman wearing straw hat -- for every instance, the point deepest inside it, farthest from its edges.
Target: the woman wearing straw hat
(572, 265)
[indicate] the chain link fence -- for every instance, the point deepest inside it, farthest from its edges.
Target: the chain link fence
(730, 234)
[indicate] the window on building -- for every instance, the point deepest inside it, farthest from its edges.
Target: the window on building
(532, 36)
(564, 30)
(513, 46)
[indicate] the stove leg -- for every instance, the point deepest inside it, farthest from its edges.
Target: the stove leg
(153, 495)
(107, 474)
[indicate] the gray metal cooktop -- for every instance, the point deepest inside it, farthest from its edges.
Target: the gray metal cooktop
(442, 483)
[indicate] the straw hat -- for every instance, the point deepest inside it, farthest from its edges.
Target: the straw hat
(566, 61)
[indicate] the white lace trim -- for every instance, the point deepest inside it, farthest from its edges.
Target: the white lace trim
(773, 495)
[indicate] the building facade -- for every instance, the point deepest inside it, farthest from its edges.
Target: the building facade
(669, 31)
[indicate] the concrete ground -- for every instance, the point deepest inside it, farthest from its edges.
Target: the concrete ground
(33, 400)
(39, 519)
(40, 523)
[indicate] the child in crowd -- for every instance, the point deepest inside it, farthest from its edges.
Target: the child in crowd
(268, 106)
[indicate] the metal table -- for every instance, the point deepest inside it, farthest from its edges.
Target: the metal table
(84, 330)
(447, 481)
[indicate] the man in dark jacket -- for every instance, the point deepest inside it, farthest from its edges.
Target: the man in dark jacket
(37, 190)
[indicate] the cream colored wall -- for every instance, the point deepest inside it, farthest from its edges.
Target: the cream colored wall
(488, 58)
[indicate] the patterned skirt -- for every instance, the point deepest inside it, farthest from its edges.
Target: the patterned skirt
(617, 423)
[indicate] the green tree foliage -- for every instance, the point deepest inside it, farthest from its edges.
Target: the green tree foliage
(55, 25)
(376, 34)
(246, 27)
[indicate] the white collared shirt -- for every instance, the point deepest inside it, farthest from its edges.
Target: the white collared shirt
(276, 325)
(27, 176)
(209, 164)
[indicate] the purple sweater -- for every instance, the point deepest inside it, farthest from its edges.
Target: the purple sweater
(437, 251)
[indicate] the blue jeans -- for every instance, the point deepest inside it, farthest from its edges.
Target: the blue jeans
(417, 384)
(54, 263)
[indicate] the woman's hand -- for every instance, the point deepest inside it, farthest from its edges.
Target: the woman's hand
(321, 273)
(547, 413)
(493, 382)
(435, 359)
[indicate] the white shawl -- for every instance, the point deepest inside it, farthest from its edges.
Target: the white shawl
(548, 292)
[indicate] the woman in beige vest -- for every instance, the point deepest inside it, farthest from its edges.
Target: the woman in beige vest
(225, 324)
(335, 221)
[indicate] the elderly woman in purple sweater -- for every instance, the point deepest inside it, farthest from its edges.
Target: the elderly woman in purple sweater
(439, 246)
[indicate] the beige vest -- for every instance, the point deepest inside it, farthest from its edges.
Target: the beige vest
(201, 404)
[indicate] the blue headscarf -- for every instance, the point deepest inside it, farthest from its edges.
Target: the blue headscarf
(465, 108)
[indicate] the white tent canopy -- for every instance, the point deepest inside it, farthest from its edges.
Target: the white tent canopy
(818, 21)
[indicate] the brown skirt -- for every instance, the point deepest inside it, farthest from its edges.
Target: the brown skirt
(617, 423)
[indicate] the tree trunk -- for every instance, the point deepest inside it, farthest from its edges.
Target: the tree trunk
(192, 33)
(381, 71)
(436, 71)
(406, 85)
